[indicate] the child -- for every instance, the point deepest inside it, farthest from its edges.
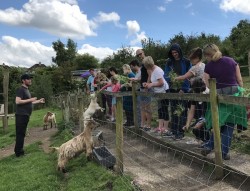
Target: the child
(128, 100)
(197, 70)
(197, 110)
(115, 88)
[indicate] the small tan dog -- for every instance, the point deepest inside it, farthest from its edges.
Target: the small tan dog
(49, 118)
(77, 145)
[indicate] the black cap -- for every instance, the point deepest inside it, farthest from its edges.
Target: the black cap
(25, 77)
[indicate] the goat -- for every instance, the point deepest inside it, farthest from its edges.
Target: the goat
(49, 118)
(77, 145)
(93, 107)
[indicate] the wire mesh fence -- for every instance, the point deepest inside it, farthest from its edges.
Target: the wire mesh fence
(150, 152)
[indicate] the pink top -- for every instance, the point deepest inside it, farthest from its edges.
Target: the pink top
(115, 87)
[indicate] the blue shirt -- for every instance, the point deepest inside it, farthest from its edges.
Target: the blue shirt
(90, 83)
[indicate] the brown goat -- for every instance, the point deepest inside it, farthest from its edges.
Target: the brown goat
(49, 118)
(77, 145)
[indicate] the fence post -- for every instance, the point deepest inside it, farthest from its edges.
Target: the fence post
(80, 102)
(249, 63)
(135, 113)
(216, 129)
(119, 135)
(5, 95)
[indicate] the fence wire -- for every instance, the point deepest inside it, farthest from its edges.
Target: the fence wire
(158, 161)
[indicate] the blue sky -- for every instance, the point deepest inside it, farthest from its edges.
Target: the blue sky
(101, 27)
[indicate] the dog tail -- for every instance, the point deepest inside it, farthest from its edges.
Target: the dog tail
(53, 149)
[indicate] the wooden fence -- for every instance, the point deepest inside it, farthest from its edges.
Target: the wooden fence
(79, 101)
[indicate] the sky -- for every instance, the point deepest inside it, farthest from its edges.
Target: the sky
(101, 27)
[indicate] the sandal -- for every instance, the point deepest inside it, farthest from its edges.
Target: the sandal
(147, 128)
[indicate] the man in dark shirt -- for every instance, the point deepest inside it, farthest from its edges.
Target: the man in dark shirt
(178, 64)
(24, 103)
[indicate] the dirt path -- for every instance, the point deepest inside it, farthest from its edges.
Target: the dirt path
(35, 134)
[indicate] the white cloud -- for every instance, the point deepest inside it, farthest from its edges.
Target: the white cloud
(161, 8)
(133, 27)
(20, 52)
(134, 32)
(138, 38)
(242, 6)
(107, 17)
(98, 52)
(188, 5)
(167, 1)
(58, 17)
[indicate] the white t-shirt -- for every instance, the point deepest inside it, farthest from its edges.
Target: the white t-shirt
(157, 74)
(138, 74)
(109, 89)
(197, 70)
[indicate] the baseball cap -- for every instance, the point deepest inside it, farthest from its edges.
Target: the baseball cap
(26, 77)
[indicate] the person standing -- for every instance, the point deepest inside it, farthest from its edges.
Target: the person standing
(116, 86)
(179, 65)
(158, 85)
(90, 86)
(146, 112)
(228, 79)
(24, 103)
(197, 70)
(135, 67)
(128, 100)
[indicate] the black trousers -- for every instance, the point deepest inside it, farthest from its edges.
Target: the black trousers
(21, 126)
(177, 122)
(129, 117)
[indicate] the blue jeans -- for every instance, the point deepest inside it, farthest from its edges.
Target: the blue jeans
(226, 132)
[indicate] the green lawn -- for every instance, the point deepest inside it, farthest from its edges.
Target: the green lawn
(36, 120)
(37, 170)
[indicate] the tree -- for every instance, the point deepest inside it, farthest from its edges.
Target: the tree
(156, 49)
(85, 62)
(240, 43)
(123, 56)
(64, 53)
(42, 86)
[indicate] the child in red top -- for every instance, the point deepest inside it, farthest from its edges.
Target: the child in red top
(115, 88)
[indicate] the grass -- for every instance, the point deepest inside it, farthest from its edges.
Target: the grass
(37, 170)
(36, 120)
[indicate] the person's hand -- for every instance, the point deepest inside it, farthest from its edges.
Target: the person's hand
(42, 100)
(185, 128)
(133, 79)
(148, 85)
(145, 85)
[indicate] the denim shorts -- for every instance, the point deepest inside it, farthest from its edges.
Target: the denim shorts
(145, 99)
(113, 100)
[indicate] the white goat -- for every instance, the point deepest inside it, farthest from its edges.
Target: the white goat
(77, 145)
(93, 107)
